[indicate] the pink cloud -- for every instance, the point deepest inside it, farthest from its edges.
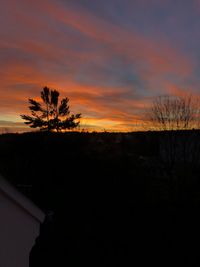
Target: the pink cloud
(29, 32)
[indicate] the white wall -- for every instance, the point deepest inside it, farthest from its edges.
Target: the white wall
(18, 231)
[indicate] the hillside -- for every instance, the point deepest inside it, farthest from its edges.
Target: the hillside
(54, 161)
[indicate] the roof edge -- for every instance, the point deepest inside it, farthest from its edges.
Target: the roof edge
(21, 200)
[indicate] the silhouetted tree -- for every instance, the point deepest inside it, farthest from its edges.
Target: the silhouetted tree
(52, 115)
(174, 113)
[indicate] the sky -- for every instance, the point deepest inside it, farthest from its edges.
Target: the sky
(111, 58)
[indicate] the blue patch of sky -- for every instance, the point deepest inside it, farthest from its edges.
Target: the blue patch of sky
(112, 72)
(177, 21)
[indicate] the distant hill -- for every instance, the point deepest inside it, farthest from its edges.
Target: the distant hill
(46, 166)
(39, 162)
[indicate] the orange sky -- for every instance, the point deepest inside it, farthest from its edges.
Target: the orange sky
(110, 58)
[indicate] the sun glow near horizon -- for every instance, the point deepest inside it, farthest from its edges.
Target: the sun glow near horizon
(108, 64)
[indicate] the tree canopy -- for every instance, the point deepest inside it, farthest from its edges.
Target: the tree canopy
(51, 115)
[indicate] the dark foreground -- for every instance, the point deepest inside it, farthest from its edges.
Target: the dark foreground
(111, 199)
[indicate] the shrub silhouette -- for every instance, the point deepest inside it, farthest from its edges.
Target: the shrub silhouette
(52, 115)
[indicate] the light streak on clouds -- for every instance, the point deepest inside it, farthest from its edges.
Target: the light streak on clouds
(110, 57)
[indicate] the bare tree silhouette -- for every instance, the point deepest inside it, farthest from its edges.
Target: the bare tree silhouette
(174, 113)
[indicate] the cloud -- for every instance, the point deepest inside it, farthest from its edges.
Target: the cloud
(105, 62)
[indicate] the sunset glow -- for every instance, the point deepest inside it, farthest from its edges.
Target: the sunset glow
(109, 57)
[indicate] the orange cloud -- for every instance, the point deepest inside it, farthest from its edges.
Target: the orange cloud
(83, 56)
